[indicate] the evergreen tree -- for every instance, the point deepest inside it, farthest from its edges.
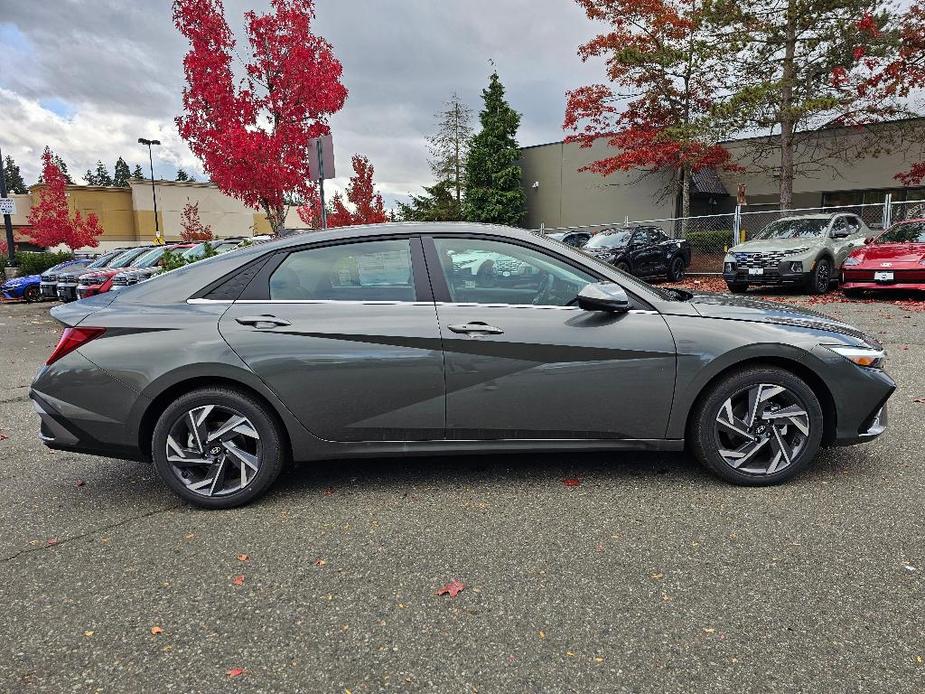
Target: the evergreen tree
(493, 191)
(182, 175)
(449, 146)
(102, 175)
(438, 205)
(12, 177)
(121, 174)
(91, 178)
(137, 173)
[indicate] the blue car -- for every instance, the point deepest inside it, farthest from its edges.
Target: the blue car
(28, 288)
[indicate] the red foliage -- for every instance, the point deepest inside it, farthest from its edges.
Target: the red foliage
(452, 588)
(193, 229)
(571, 482)
(665, 125)
(50, 221)
(253, 139)
(361, 193)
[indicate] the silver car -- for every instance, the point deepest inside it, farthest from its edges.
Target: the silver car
(804, 251)
(370, 341)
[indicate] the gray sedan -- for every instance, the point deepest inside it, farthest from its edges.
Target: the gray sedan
(379, 341)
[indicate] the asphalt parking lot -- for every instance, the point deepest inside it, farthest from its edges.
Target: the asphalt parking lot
(643, 573)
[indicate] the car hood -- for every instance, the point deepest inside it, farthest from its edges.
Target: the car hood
(895, 252)
(727, 307)
(775, 245)
(19, 281)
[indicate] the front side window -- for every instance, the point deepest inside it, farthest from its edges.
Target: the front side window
(609, 239)
(483, 271)
(366, 271)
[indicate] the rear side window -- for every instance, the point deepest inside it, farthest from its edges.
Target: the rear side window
(366, 271)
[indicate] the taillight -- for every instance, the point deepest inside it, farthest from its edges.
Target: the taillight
(71, 339)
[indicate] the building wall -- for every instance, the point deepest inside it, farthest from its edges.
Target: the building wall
(567, 197)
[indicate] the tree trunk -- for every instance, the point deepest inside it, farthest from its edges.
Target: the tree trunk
(685, 198)
(785, 116)
(276, 217)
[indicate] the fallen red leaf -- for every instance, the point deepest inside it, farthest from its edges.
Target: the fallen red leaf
(52, 541)
(236, 672)
(921, 401)
(156, 630)
(571, 482)
(243, 557)
(452, 588)
(79, 483)
(238, 580)
(3, 436)
(329, 491)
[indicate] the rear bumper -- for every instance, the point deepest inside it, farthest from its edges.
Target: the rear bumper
(886, 286)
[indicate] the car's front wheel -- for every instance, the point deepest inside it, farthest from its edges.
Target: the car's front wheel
(757, 426)
(676, 269)
(820, 279)
(218, 447)
(737, 287)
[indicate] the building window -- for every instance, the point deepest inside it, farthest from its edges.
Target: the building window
(847, 198)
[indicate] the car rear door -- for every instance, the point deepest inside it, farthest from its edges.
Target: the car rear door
(346, 336)
(524, 362)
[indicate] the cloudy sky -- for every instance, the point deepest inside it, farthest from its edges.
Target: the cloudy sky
(88, 77)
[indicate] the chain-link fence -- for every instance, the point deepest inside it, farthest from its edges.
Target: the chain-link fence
(712, 235)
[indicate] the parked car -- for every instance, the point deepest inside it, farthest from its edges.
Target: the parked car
(366, 341)
(575, 239)
(68, 282)
(803, 251)
(893, 260)
(100, 282)
(22, 288)
(146, 267)
(48, 281)
(218, 247)
(644, 251)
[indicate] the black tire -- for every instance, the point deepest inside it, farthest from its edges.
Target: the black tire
(820, 279)
(270, 454)
(676, 269)
(32, 294)
(705, 442)
(737, 287)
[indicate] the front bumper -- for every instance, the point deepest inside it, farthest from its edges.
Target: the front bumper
(49, 290)
(769, 276)
(67, 292)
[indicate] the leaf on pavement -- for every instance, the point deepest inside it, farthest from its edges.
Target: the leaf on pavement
(452, 588)
(238, 580)
(920, 401)
(571, 482)
(155, 630)
(3, 436)
(52, 541)
(79, 483)
(236, 672)
(329, 491)
(243, 557)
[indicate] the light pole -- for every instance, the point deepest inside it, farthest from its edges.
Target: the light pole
(157, 226)
(7, 222)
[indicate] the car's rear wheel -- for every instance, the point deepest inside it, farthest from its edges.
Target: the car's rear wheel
(32, 294)
(737, 287)
(758, 426)
(676, 269)
(217, 447)
(820, 279)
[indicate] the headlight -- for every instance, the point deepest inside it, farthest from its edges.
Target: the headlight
(795, 251)
(851, 260)
(862, 356)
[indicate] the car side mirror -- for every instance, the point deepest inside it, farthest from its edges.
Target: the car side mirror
(869, 240)
(603, 296)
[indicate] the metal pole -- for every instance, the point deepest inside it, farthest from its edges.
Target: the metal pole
(157, 226)
(7, 221)
(887, 210)
(324, 212)
(736, 225)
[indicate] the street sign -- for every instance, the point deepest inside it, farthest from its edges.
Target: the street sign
(321, 158)
(740, 195)
(7, 206)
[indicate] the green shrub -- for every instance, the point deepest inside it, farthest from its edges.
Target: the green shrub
(712, 242)
(36, 263)
(172, 261)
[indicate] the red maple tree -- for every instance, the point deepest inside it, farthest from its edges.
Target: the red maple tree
(665, 70)
(192, 228)
(50, 221)
(253, 138)
(368, 207)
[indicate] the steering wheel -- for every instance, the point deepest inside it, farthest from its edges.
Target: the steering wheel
(545, 289)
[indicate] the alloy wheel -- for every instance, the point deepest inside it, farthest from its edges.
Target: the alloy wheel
(762, 429)
(214, 450)
(823, 277)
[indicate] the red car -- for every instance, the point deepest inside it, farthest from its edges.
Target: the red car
(893, 260)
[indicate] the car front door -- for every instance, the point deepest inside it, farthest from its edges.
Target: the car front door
(346, 336)
(644, 253)
(524, 362)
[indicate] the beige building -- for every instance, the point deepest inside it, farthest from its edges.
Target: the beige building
(559, 195)
(127, 214)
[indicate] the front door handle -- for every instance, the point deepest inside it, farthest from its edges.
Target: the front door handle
(266, 320)
(476, 327)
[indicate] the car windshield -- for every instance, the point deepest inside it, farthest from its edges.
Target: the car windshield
(609, 239)
(102, 261)
(150, 258)
(126, 258)
(912, 232)
(806, 228)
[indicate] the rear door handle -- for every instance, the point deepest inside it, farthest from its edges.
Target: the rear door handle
(267, 320)
(476, 327)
